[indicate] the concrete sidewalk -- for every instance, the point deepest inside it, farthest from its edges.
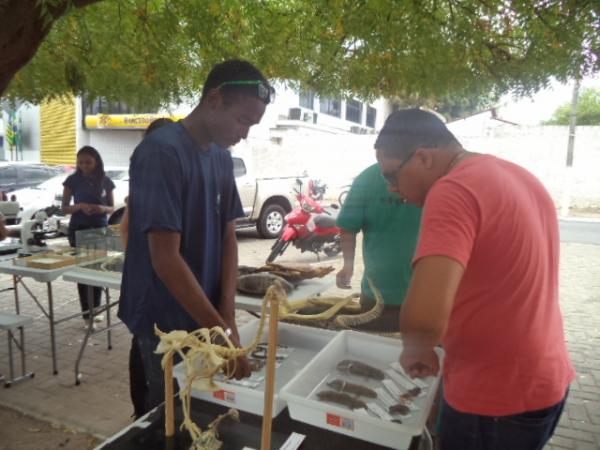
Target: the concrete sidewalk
(101, 404)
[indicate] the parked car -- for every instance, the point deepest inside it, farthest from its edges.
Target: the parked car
(265, 201)
(34, 198)
(19, 175)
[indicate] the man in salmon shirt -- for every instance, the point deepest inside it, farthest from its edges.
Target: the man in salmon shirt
(485, 286)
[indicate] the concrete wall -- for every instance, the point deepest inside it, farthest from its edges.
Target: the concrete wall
(543, 151)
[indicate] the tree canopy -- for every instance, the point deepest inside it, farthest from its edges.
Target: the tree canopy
(588, 110)
(156, 52)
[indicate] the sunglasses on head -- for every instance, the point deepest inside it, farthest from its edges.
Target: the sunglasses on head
(264, 91)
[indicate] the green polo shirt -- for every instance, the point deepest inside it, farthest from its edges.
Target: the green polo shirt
(390, 233)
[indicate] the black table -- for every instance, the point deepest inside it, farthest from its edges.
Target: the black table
(148, 432)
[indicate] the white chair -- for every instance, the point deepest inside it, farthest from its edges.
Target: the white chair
(11, 322)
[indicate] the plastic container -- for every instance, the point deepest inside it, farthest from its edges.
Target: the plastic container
(380, 352)
(305, 343)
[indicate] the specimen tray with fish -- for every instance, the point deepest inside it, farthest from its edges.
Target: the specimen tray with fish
(356, 387)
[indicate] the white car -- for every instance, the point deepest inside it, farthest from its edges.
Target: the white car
(40, 196)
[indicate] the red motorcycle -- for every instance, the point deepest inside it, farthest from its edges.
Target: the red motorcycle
(309, 227)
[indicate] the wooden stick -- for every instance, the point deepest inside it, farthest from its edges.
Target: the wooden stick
(169, 400)
(270, 381)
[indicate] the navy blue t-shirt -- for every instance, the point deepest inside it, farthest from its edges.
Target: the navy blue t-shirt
(175, 185)
(84, 190)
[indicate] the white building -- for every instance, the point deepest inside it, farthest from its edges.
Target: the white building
(56, 129)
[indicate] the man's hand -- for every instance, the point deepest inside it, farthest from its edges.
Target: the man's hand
(343, 278)
(86, 208)
(97, 209)
(420, 364)
(242, 369)
(242, 366)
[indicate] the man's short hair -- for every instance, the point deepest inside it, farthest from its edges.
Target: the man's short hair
(156, 124)
(407, 130)
(231, 71)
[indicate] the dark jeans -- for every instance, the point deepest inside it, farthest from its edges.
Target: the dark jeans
(137, 380)
(83, 289)
(153, 372)
(527, 431)
(84, 293)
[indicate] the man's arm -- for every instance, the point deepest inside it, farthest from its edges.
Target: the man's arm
(344, 276)
(229, 276)
(426, 311)
(174, 272)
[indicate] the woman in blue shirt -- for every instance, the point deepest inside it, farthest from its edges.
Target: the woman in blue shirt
(92, 193)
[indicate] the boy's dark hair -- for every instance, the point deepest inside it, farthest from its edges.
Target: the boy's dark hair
(156, 124)
(407, 130)
(99, 174)
(234, 70)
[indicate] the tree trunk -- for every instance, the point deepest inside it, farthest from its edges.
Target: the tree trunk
(23, 30)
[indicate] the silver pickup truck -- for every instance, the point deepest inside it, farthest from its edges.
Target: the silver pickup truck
(266, 201)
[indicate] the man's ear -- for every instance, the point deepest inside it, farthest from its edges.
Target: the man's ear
(214, 99)
(425, 157)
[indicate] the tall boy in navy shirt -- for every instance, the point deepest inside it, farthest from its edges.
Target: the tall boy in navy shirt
(181, 261)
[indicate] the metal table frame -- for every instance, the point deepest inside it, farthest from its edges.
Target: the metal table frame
(106, 283)
(41, 276)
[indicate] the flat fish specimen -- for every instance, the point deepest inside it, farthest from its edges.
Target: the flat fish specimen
(258, 283)
(342, 399)
(399, 409)
(411, 394)
(360, 369)
(351, 388)
(256, 364)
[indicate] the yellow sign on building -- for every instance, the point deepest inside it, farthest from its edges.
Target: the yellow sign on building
(124, 121)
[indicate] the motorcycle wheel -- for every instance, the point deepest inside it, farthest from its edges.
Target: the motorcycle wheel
(332, 250)
(277, 249)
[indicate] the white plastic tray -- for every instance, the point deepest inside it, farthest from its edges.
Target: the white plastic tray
(306, 343)
(301, 392)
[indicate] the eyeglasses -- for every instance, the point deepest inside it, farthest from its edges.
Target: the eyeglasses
(391, 177)
(264, 91)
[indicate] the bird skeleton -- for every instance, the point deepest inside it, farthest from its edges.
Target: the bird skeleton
(206, 352)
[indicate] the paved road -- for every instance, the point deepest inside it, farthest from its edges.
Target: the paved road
(580, 231)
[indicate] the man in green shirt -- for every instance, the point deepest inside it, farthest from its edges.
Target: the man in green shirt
(390, 232)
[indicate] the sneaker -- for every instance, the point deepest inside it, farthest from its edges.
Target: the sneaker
(87, 325)
(98, 318)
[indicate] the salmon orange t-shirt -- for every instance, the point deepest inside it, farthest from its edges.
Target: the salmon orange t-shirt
(505, 344)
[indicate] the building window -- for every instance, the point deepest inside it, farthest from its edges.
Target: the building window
(103, 106)
(371, 116)
(307, 99)
(331, 106)
(354, 111)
